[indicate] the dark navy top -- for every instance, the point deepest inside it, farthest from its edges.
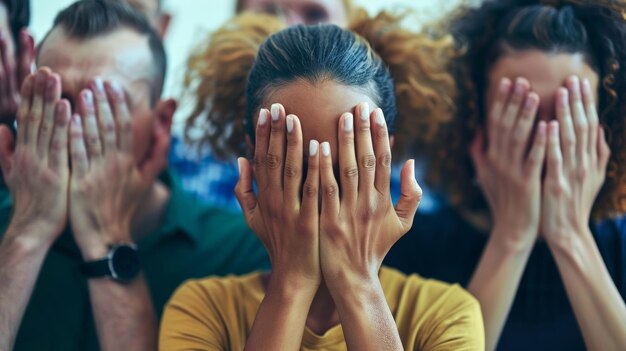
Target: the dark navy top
(442, 245)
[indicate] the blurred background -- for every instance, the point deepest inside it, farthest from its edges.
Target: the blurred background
(193, 19)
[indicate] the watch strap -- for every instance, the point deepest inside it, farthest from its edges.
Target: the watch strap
(96, 269)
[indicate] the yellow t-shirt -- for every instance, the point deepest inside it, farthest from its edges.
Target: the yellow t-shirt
(217, 314)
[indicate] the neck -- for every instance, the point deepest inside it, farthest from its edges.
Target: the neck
(151, 210)
(323, 314)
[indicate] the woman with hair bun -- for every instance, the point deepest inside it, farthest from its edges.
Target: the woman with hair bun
(534, 167)
(324, 211)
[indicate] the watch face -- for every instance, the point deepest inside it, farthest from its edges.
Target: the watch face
(125, 263)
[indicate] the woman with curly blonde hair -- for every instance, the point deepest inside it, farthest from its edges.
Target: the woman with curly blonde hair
(324, 212)
(534, 166)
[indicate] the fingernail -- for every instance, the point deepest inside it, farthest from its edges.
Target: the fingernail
(519, 86)
(380, 117)
(76, 120)
(530, 101)
(365, 111)
(99, 84)
(505, 85)
(239, 165)
(117, 89)
(262, 117)
(325, 148)
(348, 122)
(88, 95)
(587, 86)
(541, 129)
(313, 148)
(289, 123)
(275, 112)
(50, 82)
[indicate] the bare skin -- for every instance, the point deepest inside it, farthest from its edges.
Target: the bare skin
(317, 280)
(302, 11)
(118, 145)
(541, 163)
(153, 10)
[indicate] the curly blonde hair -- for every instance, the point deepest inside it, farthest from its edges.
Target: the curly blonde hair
(595, 28)
(217, 76)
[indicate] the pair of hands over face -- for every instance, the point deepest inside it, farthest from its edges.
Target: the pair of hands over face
(573, 148)
(101, 189)
(346, 240)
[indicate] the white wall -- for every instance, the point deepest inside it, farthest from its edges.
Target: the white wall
(192, 19)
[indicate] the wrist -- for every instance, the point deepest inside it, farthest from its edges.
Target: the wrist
(30, 236)
(358, 294)
(513, 241)
(22, 243)
(97, 245)
(288, 288)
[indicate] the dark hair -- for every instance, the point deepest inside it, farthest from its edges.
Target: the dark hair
(19, 16)
(315, 54)
(594, 28)
(229, 74)
(87, 19)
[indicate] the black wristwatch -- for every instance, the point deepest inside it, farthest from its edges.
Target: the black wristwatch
(121, 264)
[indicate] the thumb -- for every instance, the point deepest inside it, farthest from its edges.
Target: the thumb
(410, 195)
(7, 149)
(243, 190)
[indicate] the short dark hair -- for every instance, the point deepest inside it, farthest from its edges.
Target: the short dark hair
(87, 19)
(19, 16)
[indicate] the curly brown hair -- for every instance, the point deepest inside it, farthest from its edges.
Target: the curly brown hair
(218, 70)
(595, 28)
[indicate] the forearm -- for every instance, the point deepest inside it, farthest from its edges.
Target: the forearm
(495, 283)
(124, 315)
(20, 263)
(597, 304)
(280, 321)
(366, 320)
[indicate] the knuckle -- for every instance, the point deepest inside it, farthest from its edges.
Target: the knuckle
(384, 160)
(368, 161)
(381, 133)
(351, 172)
(291, 170)
(273, 161)
(369, 211)
(258, 162)
(331, 191)
(310, 190)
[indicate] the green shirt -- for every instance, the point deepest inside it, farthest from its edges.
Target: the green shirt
(194, 241)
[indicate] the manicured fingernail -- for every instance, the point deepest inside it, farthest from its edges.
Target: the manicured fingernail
(530, 101)
(88, 96)
(239, 165)
(325, 148)
(365, 111)
(519, 86)
(505, 85)
(76, 120)
(380, 117)
(117, 89)
(99, 84)
(289, 123)
(275, 112)
(541, 129)
(262, 117)
(313, 148)
(348, 122)
(564, 97)
(587, 86)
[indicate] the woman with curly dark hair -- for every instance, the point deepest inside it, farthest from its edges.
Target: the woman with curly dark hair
(534, 168)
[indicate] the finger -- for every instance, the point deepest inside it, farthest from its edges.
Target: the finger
(522, 130)
(511, 111)
(555, 159)
(410, 196)
(537, 154)
(90, 125)
(5, 90)
(276, 151)
(78, 152)
(581, 125)
(123, 120)
(8, 70)
(106, 122)
(566, 127)
(497, 108)
(592, 116)
(58, 154)
(348, 166)
(310, 191)
(293, 162)
(52, 96)
(330, 189)
(364, 150)
(262, 140)
(7, 149)
(36, 108)
(382, 150)
(24, 109)
(603, 150)
(26, 55)
(244, 190)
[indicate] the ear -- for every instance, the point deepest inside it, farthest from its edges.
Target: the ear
(156, 161)
(7, 149)
(392, 141)
(164, 24)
